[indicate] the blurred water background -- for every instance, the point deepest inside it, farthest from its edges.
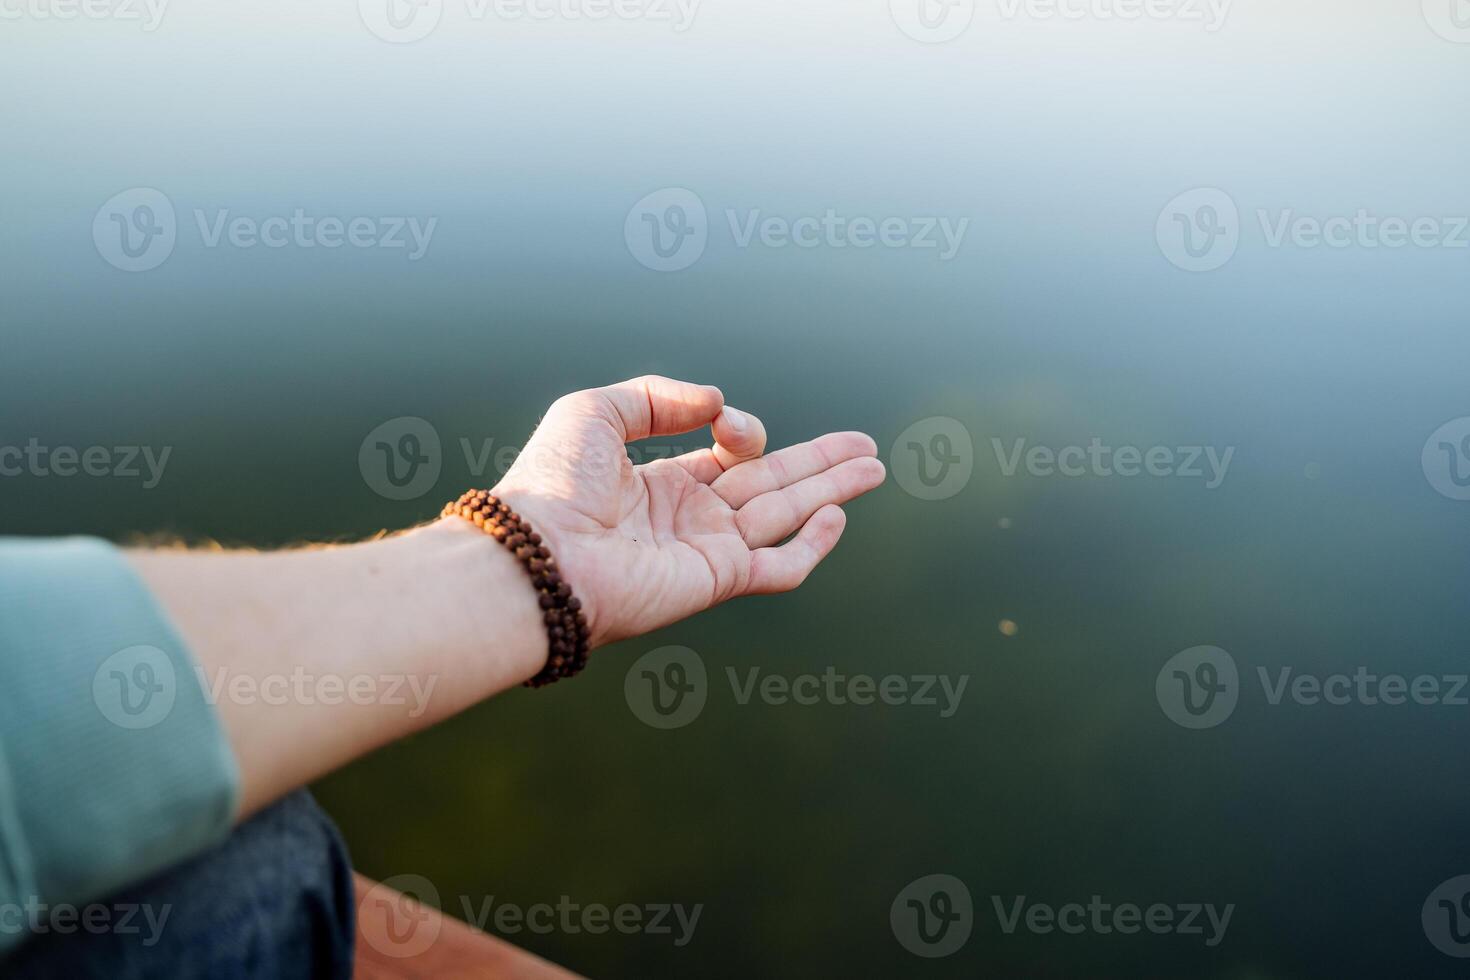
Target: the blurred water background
(1059, 320)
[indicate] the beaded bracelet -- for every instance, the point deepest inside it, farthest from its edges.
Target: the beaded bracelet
(566, 623)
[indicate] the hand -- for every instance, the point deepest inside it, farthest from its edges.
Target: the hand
(645, 546)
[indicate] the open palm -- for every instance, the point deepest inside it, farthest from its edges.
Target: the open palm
(645, 546)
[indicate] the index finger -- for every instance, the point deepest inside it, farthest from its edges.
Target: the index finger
(656, 406)
(739, 437)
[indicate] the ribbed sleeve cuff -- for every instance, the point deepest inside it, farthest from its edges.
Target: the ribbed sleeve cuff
(112, 763)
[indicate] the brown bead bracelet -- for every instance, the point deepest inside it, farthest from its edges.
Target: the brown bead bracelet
(566, 623)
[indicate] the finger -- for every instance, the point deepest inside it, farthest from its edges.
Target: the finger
(783, 569)
(775, 515)
(739, 436)
(784, 467)
(656, 406)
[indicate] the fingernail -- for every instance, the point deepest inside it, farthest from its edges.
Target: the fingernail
(734, 418)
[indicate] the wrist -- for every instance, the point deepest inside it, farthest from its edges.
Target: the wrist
(563, 545)
(565, 621)
(497, 639)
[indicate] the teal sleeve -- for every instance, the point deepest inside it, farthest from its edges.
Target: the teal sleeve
(112, 763)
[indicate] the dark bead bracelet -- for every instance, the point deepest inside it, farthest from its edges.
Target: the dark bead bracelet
(566, 623)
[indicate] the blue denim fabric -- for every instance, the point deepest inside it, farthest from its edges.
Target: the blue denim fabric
(273, 901)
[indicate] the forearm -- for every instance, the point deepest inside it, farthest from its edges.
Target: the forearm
(311, 658)
(315, 657)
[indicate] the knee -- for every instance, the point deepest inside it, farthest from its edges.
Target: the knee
(274, 899)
